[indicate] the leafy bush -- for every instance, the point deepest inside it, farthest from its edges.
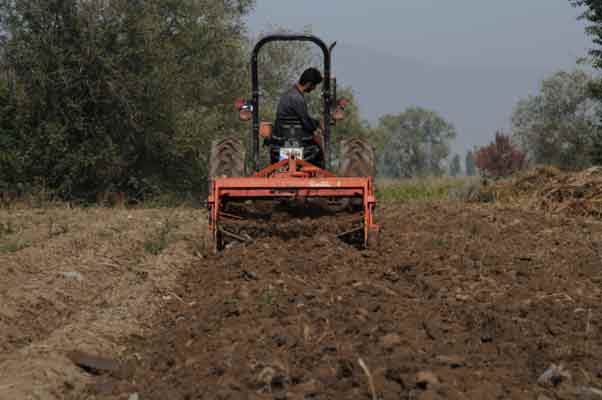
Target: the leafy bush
(500, 158)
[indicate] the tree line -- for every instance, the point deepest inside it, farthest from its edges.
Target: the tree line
(116, 95)
(122, 95)
(561, 124)
(557, 126)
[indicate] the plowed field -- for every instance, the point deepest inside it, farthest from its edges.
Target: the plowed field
(458, 302)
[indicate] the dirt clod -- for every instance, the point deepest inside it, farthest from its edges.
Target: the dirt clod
(94, 364)
(554, 375)
(588, 393)
(452, 361)
(426, 379)
(391, 340)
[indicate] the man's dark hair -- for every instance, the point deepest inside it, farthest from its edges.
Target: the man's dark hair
(311, 75)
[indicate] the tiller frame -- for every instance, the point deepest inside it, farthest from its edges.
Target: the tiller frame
(290, 179)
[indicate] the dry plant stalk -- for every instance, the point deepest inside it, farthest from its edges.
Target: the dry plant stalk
(369, 375)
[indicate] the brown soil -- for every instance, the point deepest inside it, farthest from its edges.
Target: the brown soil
(81, 279)
(459, 301)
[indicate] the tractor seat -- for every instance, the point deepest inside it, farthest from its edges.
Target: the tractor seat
(290, 128)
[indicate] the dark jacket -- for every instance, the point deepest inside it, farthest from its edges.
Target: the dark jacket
(292, 104)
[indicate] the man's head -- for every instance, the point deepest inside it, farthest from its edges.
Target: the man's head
(310, 78)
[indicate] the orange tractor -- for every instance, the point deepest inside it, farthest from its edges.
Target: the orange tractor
(292, 178)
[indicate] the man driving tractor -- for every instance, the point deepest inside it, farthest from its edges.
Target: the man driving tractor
(294, 126)
(300, 148)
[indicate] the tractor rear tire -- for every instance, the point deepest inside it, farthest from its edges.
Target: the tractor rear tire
(227, 159)
(356, 159)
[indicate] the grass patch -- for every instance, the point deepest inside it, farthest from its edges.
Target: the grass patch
(12, 247)
(56, 227)
(420, 189)
(231, 300)
(7, 228)
(268, 297)
(160, 240)
(440, 242)
(155, 247)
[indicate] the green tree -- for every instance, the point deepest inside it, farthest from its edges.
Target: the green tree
(455, 167)
(558, 125)
(415, 142)
(471, 169)
(11, 155)
(122, 94)
(593, 15)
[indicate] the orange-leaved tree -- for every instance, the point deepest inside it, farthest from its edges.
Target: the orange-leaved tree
(501, 157)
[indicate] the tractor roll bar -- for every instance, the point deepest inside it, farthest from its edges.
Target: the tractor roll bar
(326, 91)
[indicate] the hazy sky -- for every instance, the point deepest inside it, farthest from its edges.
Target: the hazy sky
(507, 33)
(527, 39)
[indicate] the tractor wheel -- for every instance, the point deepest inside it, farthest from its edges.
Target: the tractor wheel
(356, 159)
(227, 159)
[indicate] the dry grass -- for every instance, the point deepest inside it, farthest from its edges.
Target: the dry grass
(547, 188)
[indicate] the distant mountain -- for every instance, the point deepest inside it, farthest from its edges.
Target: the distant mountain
(477, 101)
